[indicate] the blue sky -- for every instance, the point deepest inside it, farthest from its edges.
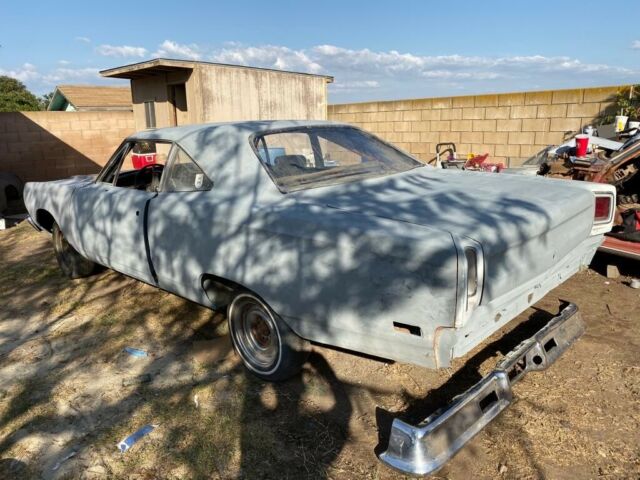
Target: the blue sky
(375, 50)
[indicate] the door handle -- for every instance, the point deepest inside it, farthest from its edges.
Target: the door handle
(137, 213)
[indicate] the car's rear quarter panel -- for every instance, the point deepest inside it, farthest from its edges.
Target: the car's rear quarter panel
(335, 277)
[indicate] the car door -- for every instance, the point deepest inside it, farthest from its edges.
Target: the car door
(180, 227)
(112, 211)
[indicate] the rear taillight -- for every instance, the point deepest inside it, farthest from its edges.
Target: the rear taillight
(470, 279)
(473, 278)
(603, 209)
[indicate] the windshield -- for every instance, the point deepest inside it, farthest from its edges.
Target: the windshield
(309, 157)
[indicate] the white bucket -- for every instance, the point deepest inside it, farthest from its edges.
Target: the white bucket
(621, 122)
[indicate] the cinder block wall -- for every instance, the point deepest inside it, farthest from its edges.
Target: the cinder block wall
(510, 127)
(52, 145)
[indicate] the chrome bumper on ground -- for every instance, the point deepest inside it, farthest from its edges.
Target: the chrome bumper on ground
(424, 448)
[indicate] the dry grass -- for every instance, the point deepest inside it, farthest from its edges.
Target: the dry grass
(61, 390)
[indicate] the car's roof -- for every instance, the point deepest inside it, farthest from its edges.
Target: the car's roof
(175, 134)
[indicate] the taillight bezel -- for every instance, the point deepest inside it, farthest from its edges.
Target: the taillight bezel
(609, 218)
(470, 284)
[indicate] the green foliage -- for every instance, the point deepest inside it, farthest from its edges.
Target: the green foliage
(14, 96)
(45, 100)
(627, 102)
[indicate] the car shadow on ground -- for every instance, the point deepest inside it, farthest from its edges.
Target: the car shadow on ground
(63, 389)
(625, 266)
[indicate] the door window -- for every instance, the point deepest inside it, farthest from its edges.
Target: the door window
(139, 165)
(185, 176)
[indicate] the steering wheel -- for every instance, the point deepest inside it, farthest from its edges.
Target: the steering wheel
(156, 172)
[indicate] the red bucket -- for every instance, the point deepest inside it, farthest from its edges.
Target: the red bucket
(582, 142)
(139, 160)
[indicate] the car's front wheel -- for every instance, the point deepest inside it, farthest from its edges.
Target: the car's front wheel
(266, 344)
(71, 262)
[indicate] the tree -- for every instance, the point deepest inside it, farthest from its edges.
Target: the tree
(14, 96)
(45, 100)
(625, 102)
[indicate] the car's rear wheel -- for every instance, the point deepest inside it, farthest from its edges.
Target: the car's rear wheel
(71, 262)
(266, 344)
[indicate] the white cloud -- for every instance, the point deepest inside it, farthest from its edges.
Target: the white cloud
(63, 75)
(267, 56)
(121, 51)
(359, 74)
(356, 85)
(64, 62)
(83, 39)
(636, 45)
(39, 82)
(364, 74)
(26, 73)
(172, 49)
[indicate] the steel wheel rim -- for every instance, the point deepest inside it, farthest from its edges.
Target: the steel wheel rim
(256, 335)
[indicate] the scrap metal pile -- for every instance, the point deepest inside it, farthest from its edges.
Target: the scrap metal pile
(607, 161)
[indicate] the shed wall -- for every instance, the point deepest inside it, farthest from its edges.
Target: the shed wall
(230, 94)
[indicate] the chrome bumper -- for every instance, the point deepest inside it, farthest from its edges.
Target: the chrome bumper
(424, 448)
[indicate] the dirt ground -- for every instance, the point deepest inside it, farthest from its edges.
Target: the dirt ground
(67, 388)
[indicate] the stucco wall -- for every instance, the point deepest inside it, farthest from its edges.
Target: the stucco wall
(155, 88)
(216, 93)
(53, 145)
(230, 94)
(509, 126)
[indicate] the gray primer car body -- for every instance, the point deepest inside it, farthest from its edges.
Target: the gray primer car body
(340, 264)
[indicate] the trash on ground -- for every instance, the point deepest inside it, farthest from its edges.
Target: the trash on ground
(136, 352)
(146, 378)
(128, 442)
(60, 462)
(612, 271)
(635, 283)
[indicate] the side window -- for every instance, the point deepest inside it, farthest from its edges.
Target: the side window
(138, 165)
(185, 176)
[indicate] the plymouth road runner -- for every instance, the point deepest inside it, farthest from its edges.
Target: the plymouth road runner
(320, 232)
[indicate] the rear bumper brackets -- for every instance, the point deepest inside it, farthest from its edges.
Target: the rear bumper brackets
(424, 448)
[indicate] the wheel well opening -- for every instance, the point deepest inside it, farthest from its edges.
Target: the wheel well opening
(45, 220)
(218, 290)
(11, 193)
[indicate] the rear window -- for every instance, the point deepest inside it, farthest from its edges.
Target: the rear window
(309, 157)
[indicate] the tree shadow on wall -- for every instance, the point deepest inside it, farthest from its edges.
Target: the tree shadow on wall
(36, 154)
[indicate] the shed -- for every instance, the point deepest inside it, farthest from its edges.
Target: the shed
(177, 92)
(81, 98)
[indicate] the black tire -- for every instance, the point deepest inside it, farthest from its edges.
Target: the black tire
(71, 262)
(266, 344)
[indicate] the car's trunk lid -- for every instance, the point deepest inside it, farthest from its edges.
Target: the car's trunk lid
(524, 225)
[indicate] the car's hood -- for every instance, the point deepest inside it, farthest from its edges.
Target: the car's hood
(75, 181)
